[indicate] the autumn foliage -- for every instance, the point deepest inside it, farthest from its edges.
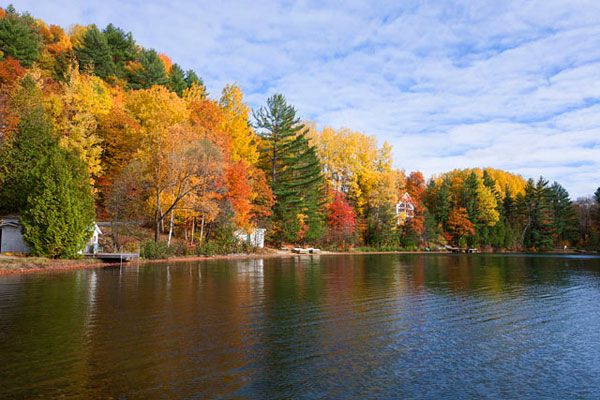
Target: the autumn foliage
(161, 153)
(341, 220)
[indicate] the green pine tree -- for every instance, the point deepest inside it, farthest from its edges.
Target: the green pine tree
(18, 38)
(177, 81)
(469, 202)
(536, 215)
(443, 205)
(94, 54)
(122, 48)
(152, 71)
(565, 224)
(294, 171)
(191, 79)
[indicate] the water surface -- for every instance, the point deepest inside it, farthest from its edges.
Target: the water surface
(361, 326)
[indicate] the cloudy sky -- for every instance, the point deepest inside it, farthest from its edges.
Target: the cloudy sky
(451, 84)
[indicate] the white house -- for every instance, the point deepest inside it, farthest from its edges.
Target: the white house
(92, 245)
(405, 209)
(11, 237)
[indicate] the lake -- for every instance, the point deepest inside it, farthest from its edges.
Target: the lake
(356, 326)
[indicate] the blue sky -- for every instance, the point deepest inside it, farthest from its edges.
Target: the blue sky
(451, 84)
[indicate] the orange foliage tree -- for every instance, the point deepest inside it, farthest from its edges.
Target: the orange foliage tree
(415, 186)
(459, 225)
(11, 73)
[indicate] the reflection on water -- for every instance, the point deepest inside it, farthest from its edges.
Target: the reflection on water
(377, 326)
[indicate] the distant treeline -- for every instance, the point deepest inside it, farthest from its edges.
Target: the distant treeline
(95, 127)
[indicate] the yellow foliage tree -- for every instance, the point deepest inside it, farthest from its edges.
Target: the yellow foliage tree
(82, 100)
(179, 167)
(354, 164)
(244, 142)
(486, 206)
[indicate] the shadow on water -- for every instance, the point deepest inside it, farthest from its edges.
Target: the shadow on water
(377, 326)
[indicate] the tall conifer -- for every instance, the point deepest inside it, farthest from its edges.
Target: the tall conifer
(294, 171)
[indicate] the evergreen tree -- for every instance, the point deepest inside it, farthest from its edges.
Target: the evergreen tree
(294, 171)
(537, 215)
(469, 195)
(122, 48)
(508, 205)
(48, 186)
(94, 54)
(25, 148)
(191, 79)
(18, 38)
(469, 202)
(563, 214)
(443, 204)
(505, 231)
(301, 191)
(433, 231)
(151, 72)
(177, 81)
(59, 213)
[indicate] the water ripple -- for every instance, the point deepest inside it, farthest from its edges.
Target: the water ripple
(330, 327)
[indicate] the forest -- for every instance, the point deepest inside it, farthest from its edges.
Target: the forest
(95, 127)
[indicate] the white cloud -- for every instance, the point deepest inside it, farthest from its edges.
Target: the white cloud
(512, 85)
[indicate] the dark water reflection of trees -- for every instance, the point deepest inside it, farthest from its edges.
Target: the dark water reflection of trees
(255, 328)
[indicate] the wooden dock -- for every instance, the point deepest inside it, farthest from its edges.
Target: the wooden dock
(300, 250)
(461, 250)
(114, 257)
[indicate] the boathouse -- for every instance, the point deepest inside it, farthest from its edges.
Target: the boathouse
(11, 236)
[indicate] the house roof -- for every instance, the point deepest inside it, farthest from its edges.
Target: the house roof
(406, 197)
(9, 220)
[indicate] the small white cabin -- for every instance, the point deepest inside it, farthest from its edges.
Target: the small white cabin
(256, 238)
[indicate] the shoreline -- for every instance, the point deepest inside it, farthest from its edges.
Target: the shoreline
(32, 265)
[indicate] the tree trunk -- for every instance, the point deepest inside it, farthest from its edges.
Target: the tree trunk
(157, 218)
(170, 229)
(193, 228)
(202, 229)
(274, 162)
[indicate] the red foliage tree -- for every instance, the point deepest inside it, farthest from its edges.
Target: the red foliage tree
(341, 220)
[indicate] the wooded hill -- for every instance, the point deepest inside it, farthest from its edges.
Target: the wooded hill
(88, 116)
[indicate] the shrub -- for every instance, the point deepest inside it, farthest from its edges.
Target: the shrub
(154, 250)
